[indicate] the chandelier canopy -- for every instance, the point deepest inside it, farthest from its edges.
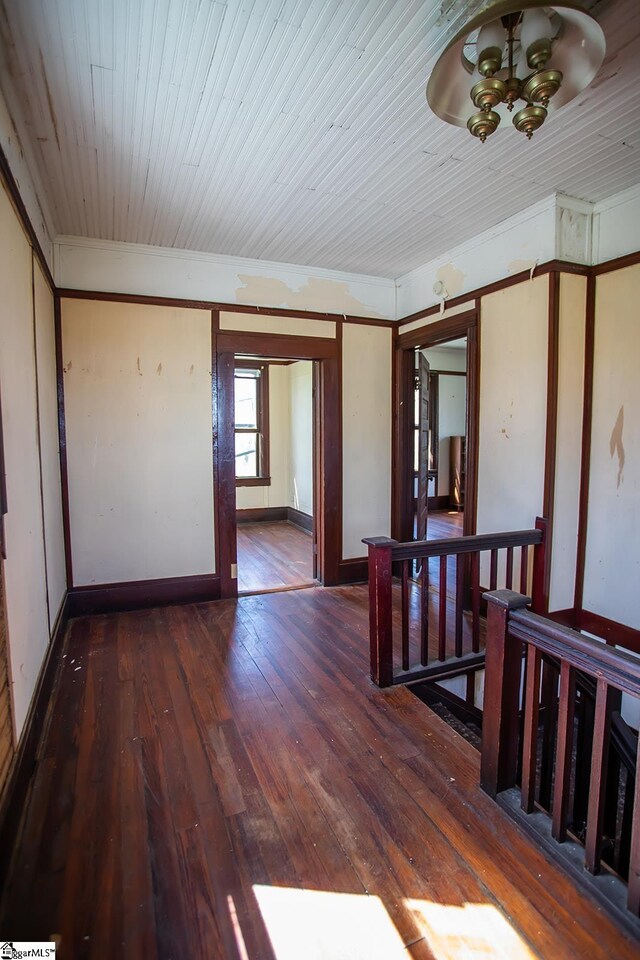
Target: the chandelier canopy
(543, 55)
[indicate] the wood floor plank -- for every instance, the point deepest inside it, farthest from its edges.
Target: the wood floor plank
(197, 755)
(273, 555)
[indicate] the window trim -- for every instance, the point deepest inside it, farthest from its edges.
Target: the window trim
(264, 478)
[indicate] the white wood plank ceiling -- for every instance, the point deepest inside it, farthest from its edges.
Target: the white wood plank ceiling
(291, 130)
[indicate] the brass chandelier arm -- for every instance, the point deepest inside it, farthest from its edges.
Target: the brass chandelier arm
(525, 50)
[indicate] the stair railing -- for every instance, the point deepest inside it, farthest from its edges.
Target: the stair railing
(509, 746)
(418, 628)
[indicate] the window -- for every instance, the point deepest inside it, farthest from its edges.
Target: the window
(251, 411)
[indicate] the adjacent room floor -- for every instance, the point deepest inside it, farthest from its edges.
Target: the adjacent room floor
(273, 556)
(444, 523)
(222, 781)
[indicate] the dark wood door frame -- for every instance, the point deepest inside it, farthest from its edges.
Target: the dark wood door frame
(467, 325)
(328, 424)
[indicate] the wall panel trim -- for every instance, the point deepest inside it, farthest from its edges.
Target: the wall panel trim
(140, 594)
(14, 194)
(551, 428)
(74, 294)
(559, 266)
(585, 467)
(14, 796)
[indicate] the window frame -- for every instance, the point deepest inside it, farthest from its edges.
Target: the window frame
(263, 478)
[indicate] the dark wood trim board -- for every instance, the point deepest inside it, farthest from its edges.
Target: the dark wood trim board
(551, 429)
(18, 203)
(73, 294)
(262, 515)
(559, 266)
(328, 355)
(614, 633)
(619, 263)
(440, 331)
(300, 519)
(62, 440)
(585, 467)
(139, 594)
(14, 796)
(355, 570)
(275, 515)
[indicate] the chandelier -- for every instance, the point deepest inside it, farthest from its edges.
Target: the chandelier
(515, 51)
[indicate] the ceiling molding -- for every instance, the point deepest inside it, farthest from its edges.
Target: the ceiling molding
(233, 263)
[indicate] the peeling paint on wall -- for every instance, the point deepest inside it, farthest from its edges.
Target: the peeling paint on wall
(326, 296)
(616, 446)
(519, 266)
(452, 278)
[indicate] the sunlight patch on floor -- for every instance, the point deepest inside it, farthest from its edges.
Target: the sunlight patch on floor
(322, 925)
(474, 931)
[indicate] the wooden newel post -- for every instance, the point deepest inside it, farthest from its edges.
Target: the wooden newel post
(540, 579)
(380, 609)
(499, 761)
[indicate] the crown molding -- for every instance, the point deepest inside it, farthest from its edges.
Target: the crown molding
(548, 205)
(236, 264)
(618, 199)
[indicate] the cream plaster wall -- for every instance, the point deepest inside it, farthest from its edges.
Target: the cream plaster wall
(289, 326)
(24, 567)
(366, 435)
(301, 436)
(573, 291)
(137, 383)
(612, 570)
(89, 264)
(49, 442)
(513, 394)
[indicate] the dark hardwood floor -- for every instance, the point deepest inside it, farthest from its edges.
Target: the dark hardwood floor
(223, 781)
(444, 523)
(273, 556)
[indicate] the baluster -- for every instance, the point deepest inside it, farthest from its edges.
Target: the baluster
(530, 734)
(633, 892)
(524, 569)
(459, 601)
(442, 618)
(424, 612)
(475, 601)
(509, 575)
(622, 862)
(598, 784)
(493, 576)
(405, 614)
(564, 752)
(584, 740)
(610, 824)
(550, 704)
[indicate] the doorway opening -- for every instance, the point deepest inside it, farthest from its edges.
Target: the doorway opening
(440, 439)
(327, 452)
(275, 456)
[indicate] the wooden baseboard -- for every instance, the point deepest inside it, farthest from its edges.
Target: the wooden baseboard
(614, 633)
(300, 519)
(438, 503)
(262, 515)
(353, 571)
(275, 514)
(16, 788)
(138, 594)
